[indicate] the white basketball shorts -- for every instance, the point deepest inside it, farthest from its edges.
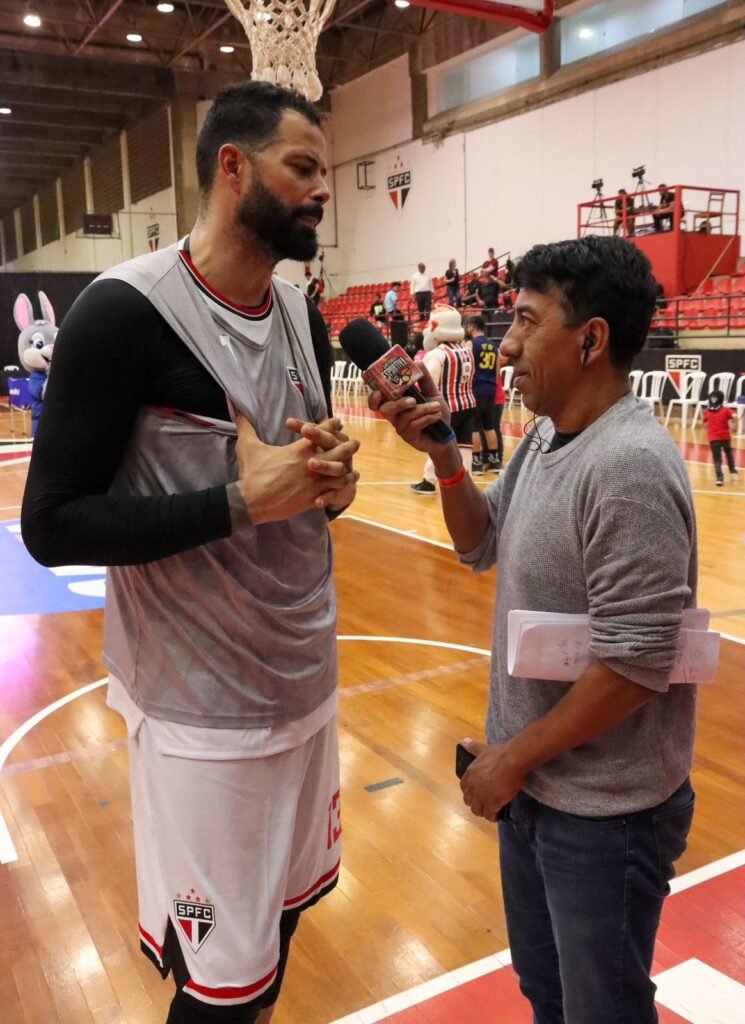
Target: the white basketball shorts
(224, 846)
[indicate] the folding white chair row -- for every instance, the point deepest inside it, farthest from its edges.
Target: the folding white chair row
(691, 387)
(650, 387)
(347, 379)
(510, 393)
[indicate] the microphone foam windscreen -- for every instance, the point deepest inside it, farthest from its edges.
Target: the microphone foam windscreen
(362, 342)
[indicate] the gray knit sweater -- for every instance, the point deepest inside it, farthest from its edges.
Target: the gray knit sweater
(605, 526)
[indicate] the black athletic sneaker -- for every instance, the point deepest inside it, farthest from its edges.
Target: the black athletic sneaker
(478, 467)
(720, 483)
(424, 487)
(495, 465)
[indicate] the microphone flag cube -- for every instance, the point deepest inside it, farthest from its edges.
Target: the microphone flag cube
(392, 374)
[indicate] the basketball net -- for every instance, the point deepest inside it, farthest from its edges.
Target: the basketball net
(283, 35)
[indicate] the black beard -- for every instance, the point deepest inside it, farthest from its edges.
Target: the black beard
(276, 225)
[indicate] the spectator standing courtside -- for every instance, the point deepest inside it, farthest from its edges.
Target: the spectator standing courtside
(315, 290)
(663, 221)
(391, 302)
(377, 310)
(487, 455)
(471, 297)
(594, 515)
(452, 283)
(488, 290)
(624, 206)
(717, 419)
(491, 265)
(421, 289)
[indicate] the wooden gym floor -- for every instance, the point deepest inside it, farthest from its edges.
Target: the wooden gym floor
(419, 893)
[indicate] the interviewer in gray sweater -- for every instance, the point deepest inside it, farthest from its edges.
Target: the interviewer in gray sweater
(594, 515)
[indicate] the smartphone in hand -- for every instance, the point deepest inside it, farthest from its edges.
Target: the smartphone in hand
(463, 758)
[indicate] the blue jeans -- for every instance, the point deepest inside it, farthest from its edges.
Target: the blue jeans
(583, 898)
(454, 298)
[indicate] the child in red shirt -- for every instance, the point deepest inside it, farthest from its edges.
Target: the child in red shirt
(717, 418)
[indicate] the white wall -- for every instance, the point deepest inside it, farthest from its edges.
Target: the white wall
(74, 253)
(373, 112)
(518, 182)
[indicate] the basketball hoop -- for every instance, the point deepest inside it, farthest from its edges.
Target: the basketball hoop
(283, 35)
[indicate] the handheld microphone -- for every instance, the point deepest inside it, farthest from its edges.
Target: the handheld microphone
(388, 370)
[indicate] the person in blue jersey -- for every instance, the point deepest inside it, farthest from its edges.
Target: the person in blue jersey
(487, 455)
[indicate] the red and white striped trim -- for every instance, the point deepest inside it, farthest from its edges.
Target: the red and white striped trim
(250, 312)
(152, 945)
(323, 881)
(168, 410)
(230, 995)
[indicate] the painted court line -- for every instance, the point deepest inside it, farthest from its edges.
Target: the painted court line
(411, 677)
(701, 994)
(717, 985)
(67, 757)
(393, 529)
(438, 544)
(8, 851)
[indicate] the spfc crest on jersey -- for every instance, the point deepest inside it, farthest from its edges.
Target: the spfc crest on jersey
(295, 379)
(195, 917)
(399, 183)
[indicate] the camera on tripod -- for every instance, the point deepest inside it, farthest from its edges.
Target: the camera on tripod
(597, 184)
(639, 172)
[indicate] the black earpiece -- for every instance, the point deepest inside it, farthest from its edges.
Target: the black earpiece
(587, 344)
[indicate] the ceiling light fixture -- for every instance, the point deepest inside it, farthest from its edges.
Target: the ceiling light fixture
(32, 20)
(134, 37)
(586, 33)
(402, 3)
(5, 110)
(227, 49)
(166, 8)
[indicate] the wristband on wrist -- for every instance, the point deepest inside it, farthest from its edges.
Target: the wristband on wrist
(453, 481)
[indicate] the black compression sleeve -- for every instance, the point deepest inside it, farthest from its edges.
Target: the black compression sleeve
(105, 359)
(322, 349)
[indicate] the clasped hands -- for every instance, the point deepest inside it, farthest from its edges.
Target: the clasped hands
(281, 481)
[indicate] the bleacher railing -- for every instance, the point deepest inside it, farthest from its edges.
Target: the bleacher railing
(707, 210)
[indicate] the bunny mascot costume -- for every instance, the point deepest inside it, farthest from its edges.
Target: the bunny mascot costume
(35, 344)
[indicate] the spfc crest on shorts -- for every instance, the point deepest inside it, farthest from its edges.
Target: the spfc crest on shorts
(195, 919)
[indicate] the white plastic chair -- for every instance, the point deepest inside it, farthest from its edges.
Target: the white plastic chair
(635, 378)
(352, 380)
(651, 388)
(337, 374)
(739, 406)
(691, 386)
(19, 403)
(717, 382)
(510, 393)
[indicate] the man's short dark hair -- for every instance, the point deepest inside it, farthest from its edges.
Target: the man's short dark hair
(249, 116)
(597, 276)
(477, 322)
